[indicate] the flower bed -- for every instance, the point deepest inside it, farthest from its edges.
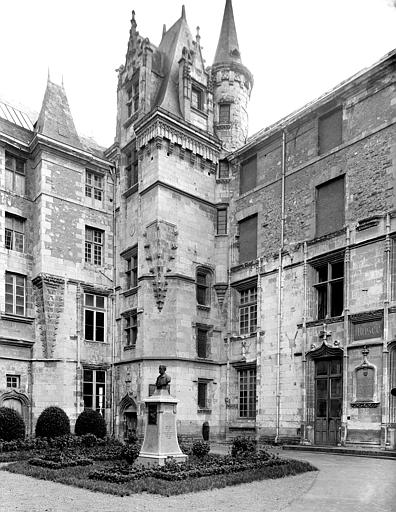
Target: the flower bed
(59, 461)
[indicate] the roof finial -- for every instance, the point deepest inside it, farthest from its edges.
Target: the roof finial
(183, 12)
(48, 75)
(133, 21)
(163, 30)
(63, 85)
(198, 37)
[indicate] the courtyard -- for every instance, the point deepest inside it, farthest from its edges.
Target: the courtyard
(343, 483)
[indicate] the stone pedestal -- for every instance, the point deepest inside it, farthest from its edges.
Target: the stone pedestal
(160, 438)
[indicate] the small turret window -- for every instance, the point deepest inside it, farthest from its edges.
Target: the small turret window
(224, 113)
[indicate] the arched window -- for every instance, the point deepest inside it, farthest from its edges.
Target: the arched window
(203, 281)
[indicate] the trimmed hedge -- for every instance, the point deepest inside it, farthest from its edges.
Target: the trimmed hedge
(52, 422)
(12, 426)
(90, 422)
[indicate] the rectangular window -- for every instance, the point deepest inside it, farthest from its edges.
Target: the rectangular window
(330, 289)
(94, 390)
(129, 102)
(202, 343)
(330, 206)
(94, 239)
(196, 98)
(248, 239)
(202, 394)
(247, 393)
(131, 330)
(93, 185)
(224, 113)
(132, 270)
(248, 175)
(224, 169)
(248, 311)
(94, 317)
(330, 131)
(135, 89)
(131, 169)
(14, 233)
(203, 287)
(13, 381)
(15, 174)
(221, 221)
(15, 294)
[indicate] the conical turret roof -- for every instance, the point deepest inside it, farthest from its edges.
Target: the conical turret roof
(227, 47)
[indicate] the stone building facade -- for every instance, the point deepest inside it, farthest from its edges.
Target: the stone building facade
(260, 270)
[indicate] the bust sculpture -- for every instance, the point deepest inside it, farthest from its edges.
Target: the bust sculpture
(163, 378)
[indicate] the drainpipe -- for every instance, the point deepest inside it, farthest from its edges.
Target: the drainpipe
(304, 346)
(259, 344)
(78, 348)
(347, 265)
(385, 420)
(113, 177)
(280, 288)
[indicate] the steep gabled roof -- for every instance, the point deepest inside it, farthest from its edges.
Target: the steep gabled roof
(171, 47)
(227, 47)
(55, 119)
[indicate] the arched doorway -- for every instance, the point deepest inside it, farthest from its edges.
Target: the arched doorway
(128, 416)
(13, 403)
(19, 402)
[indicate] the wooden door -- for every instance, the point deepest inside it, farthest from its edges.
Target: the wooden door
(328, 400)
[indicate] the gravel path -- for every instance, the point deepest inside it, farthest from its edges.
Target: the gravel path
(23, 494)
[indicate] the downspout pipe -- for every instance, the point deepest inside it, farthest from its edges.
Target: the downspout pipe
(280, 289)
(385, 420)
(304, 348)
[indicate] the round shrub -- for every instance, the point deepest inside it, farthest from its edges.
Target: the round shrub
(90, 422)
(242, 446)
(130, 452)
(12, 425)
(200, 449)
(52, 422)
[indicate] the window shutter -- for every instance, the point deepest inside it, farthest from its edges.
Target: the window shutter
(330, 206)
(330, 130)
(248, 175)
(248, 239)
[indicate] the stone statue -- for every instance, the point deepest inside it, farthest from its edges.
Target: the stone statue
(163, 378)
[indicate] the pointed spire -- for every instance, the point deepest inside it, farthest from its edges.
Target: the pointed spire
(163, 30)
(55, 119)
(228, 48)
(183, 14)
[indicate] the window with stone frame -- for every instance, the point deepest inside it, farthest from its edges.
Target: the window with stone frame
(221, 221)
(132, 168)
(203, 343)
(247, 239)
(224, 113)
(131, 329)
(135, 95)
(247, 392)
(196, 98)
(93, 185)
(248, 175)
(329, 288)
(203, 394)
(15, 294)
(330, 206)
(13, 381)
(224, 169)
(94, 317)
(248, 310)
(15, 171)
(94, 242)
(203, 283)
(94, 389)
(14, 236)
(131, 273)
(330, 130)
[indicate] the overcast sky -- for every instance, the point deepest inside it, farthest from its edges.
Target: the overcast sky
(296, 49)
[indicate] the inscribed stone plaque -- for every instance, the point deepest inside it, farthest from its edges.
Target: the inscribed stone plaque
(364, 384)
(368, 330)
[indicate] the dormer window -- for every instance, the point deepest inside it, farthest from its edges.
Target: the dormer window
(132, 98)
(196, 98)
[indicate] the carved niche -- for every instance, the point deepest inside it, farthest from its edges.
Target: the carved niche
(160, 250)
(48, 294)
(365, 384)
